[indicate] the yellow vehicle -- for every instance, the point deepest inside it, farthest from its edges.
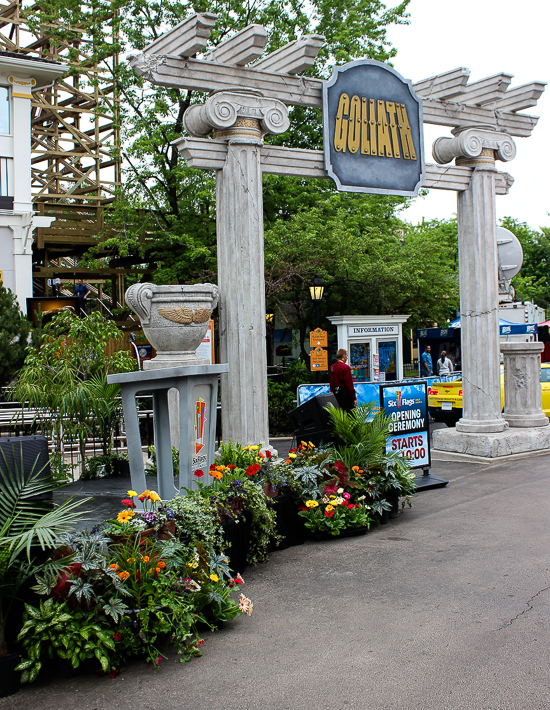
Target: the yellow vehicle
(445, 398)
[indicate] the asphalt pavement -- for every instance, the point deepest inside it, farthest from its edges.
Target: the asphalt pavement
(444, 608)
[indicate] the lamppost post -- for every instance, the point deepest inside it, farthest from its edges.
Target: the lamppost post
(316, 289)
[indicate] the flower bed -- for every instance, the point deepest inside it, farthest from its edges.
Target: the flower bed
(151, 578)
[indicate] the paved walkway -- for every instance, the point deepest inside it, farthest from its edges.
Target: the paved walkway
(445, 608)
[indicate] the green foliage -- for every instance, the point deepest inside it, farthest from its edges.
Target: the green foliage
(56, 630)
(65, 379)
(263, 521)
(14, 335)
(236, 455)
(533, 281)
(361, 435)
(197, 519)
(152, 466)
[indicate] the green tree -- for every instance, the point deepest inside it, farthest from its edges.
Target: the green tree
(371, 261)
(533, 281)
(175, 237)
(14, 335)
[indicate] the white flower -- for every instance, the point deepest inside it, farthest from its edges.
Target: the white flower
(340, 491)
(361, 498)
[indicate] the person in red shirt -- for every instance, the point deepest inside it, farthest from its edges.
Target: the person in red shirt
(341, 382)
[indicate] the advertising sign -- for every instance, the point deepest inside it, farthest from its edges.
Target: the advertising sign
(407, 405)
(206, 348)
(372, 130)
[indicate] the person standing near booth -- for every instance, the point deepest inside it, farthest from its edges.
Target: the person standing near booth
(341, 382)
(426, 360)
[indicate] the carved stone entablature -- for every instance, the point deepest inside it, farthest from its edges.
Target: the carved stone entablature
(474, 145)
(237, 112)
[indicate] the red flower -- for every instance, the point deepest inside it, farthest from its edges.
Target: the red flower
(303, 507)
(329, 512)
(344, 502)
(350, 506)
(199, 473)
(212, 467)
(293, 450)
(230, 465)
(268, 454)
(117, 636)
(128, 503)
(251, 470)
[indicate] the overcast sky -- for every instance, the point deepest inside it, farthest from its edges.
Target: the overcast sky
(487, 37)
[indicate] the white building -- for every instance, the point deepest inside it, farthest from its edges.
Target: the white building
(20, 76)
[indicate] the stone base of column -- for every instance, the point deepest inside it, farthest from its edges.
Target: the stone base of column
(527, 420)
(488, 426)
(492, 445)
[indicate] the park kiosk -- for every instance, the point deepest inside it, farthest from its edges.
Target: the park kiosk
(374, 345)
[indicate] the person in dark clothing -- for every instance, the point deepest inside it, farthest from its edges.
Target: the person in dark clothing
(82, 291)
(341, 382)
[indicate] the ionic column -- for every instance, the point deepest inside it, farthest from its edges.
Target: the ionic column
(241, 119)
(522, 392)
(478, 147)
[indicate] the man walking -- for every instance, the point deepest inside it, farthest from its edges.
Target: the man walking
(341, 382)
(82, 291)
(426, 362)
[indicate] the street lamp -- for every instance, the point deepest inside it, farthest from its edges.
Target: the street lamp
(316, 289)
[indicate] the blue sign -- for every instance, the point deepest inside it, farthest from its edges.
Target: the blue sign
(407, 406)
(372, 130)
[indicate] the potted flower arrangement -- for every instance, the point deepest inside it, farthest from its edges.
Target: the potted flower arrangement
(335, 515)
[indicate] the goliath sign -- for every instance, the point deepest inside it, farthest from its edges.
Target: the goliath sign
(372, 126)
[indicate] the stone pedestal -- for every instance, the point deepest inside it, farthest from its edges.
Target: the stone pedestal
(492, 446)
(197, 389)
(522, 392)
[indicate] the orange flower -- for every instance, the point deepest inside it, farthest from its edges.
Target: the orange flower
(145, 559)
(124, 575)
(151, 571)
(158, 570)
(288, 461)
(162, 564)
(114, 566)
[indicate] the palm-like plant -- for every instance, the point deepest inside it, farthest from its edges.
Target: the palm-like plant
(360, 435)
(25, 524)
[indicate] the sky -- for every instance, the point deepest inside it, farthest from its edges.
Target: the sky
(487, 37)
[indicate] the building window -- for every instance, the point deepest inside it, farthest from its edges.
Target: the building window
(4, 109)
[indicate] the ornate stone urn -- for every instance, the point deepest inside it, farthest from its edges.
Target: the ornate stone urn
(174, 319)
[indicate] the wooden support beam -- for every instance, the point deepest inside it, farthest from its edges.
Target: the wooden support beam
(243, 48)
(520, 97)
(197, 75)
(187, 38)
(444, 86)
(482, 92)
(294, 57)
(277, 160)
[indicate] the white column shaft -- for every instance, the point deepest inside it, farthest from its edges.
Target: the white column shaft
(239, 225)
(478, 274)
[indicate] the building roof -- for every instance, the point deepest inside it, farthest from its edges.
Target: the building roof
(44, 71)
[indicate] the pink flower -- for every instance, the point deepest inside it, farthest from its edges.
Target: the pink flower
(239, 579)
(346, 496)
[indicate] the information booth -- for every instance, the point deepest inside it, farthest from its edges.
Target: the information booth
(374, 344)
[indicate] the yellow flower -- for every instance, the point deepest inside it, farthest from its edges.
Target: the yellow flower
(132, 494)
(332, 496)
(329, 508)
(145, 493)
(193, 565)
(311, 446)
(303, 443)
(254, 448)
(214, 578)
(312, 504)
(154, 497)
(292, 456)
(124, 516)
(246, 448)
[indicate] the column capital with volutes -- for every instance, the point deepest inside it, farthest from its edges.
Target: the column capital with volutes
(239, 113)
(476, 146)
